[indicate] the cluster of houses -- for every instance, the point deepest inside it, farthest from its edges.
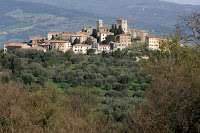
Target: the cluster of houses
(65, 41)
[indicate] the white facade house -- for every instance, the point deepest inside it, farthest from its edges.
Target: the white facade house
(81, 48)
(101, 47)
(105, 48)
(153, 42)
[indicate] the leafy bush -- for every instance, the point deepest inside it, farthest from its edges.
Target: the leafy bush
(27, 78)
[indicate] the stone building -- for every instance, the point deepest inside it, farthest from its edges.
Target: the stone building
(102, 35)
(60, 45)
(37, 48)
(50, 35)
(99, 24)
(124, 24)
(105, 29)
(123, 38)
(36, 37)
(116, 46)
(46, 46)
(10, 46)
(138, 34)
(65, 36)
(81, 37)
(89, 30)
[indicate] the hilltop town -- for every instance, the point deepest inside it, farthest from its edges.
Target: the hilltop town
(96, 39)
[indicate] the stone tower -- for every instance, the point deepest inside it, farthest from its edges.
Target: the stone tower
(124, 25)
(99, 23)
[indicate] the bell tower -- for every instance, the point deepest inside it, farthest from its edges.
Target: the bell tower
(99, 23)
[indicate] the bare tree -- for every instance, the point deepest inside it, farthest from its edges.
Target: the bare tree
(189, 28)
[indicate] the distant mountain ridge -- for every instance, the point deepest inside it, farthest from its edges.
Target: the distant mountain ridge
(148, 15)
(20, 19)
(191, 2)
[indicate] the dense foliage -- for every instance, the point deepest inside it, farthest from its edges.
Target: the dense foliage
(174, 94)
(101, 93)
(115, 71)
(114, 81)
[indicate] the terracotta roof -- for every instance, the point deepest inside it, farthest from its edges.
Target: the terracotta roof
(105, 28)
(12, 43)
(15, 44)
(123, 35)
(59, 41)
(84, 45)
(121, 19)
(35, 43)
(101, 45)
(152, 37)
(105, 32)
(36, 48)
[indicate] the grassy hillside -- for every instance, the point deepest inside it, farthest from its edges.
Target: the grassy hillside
(19, 20)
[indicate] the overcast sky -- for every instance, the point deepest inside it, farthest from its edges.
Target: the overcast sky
(193, 2)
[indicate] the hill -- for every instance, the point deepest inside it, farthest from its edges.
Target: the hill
(152, 15)
(19, 20)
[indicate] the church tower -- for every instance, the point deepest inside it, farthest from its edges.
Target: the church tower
(123, 24)
(99, 23)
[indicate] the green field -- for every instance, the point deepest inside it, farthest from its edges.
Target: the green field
(18, 25)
